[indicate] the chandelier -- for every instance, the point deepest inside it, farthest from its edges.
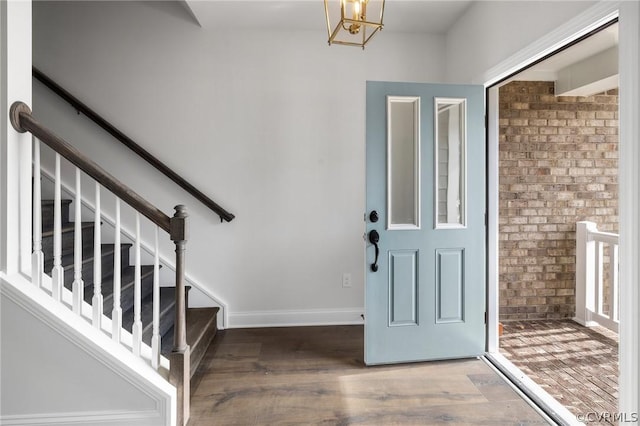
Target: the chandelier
(354, 27)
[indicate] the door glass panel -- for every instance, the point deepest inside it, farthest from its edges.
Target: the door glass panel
(450, 163)
(403, 162)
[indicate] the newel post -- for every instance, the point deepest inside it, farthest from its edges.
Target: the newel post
(180, 375)
(585, 276)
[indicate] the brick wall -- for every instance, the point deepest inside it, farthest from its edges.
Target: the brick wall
(558, 165)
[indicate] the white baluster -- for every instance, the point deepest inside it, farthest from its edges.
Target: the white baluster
(155, 339)
(137, 293)
(37, 257)
(116, 314)
(97, 265)
(599, 281)
(78, 284)
(585, 303)
(57, 273)
(615, 296)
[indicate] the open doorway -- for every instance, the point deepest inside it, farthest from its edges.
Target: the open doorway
(558, 158)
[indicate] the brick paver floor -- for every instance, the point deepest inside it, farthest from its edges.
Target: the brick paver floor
(576, 365)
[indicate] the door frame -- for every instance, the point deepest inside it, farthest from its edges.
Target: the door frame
(593, 18)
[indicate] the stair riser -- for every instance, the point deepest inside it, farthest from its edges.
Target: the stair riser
(47, 213)
(199, 348)
(126, 295)
(87, 267)
(166, 310)
(68, 241)
(166, 323)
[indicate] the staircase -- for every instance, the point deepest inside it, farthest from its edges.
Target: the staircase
(151, 314)
(201, 322)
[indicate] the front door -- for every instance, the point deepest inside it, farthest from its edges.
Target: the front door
(425, 260)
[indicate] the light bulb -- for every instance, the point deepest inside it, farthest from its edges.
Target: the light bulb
(355, 28)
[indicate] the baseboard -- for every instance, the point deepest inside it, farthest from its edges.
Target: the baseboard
(102, 418)
(296, 318)
(585, 323)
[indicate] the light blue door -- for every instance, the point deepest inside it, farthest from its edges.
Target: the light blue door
(425, 294)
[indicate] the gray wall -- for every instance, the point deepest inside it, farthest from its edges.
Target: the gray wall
(270, 124)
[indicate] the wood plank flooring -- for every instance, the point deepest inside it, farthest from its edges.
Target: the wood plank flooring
(316, 375)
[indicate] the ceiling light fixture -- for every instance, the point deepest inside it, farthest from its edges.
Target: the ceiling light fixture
(354, 29)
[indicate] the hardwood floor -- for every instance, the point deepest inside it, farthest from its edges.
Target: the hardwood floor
(316, 375)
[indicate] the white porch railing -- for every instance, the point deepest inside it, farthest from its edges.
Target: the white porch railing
(597, 295)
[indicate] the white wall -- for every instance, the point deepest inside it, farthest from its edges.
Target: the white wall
(60, 371)
(492, 31)
(15, 148)
(269, 124)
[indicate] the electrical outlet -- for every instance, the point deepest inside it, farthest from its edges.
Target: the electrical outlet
(346, 280)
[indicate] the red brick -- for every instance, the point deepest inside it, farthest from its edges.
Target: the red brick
(558, 165)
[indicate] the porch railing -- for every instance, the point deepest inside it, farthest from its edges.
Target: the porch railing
(175, 227)
(597, 294)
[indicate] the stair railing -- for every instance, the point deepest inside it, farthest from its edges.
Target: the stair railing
(133, 146)
(176, 226)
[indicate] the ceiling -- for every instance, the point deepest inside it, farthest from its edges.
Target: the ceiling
(408, 16)
(414, 16)
(549, 68)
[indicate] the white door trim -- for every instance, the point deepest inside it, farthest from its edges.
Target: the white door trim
(591, 19)
(629, 208)
(629, 177)
(493, 209)
(15, 148)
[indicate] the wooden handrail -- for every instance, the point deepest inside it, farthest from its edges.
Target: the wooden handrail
(23, 121)
(129, 143)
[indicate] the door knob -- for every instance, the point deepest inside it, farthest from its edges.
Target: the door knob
(374, 238)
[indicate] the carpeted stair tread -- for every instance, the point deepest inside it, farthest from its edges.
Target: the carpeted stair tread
(167, 302)
(67, 260)
(106, 263)
(47, 231)
(127, 283)
(47, 209)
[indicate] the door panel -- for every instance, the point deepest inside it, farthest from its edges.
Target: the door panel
(403, 287)
(449, 285)
(425, 298)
